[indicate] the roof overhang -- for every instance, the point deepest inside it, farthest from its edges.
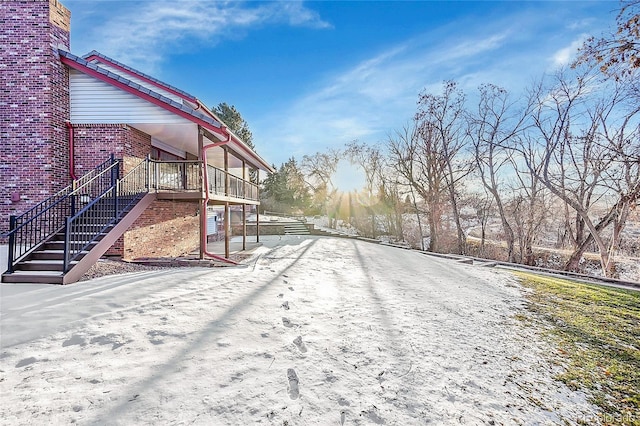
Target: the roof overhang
(204, 119)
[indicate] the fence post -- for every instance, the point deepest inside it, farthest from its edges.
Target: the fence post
(67, 243)
(148, 176)
(74, 187)
(12, 243)
(115, 173)
(156, 175)
(73, 204)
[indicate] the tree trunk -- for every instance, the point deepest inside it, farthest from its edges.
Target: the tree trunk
(456, 218)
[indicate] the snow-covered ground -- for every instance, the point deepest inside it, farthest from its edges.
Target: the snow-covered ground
(313, 331)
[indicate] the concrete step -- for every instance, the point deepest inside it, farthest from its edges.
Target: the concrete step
(296, 229)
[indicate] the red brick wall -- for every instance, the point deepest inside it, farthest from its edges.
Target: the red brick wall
(34, 103)
(94, 143)
(165, 229)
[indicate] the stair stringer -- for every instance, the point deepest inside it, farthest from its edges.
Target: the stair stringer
(90, 259)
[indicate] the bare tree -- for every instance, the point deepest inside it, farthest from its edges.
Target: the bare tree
(482, 204)
(441, 125)
(371, 160)
(391, 198)
(578, 161)
(617, 54)
(416, 161)
(528, 210)
(319, 170)
(494, 128)
(621, 133)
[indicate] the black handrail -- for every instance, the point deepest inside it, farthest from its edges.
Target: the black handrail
(30, 229)
(96, 201)
(85, 227)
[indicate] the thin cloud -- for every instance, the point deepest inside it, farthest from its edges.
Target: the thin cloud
(567, 54)
(375, 96)
(160, 26)
(580, 24)
(364, 101)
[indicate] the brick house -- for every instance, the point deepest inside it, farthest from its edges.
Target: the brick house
(98, 157)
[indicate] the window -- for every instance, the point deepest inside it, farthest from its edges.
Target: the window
(158, 154)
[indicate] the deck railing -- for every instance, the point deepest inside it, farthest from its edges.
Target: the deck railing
(34, 226)
(186, 176)
(238, 187)
(86, 226)
(176, 175)
(96, 200)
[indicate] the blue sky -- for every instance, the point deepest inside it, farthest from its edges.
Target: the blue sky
(308, 76)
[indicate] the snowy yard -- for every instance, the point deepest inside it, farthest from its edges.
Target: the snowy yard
(313, 331)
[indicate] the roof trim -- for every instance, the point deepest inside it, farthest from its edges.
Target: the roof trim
(127, 85)
(207, 121)
(94, 55)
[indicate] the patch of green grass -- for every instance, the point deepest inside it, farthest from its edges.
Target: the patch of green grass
(597, 333)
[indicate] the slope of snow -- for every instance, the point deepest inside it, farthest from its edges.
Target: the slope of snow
(313, 331)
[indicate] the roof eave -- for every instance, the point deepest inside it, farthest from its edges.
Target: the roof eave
(265, 166)
(221, 132)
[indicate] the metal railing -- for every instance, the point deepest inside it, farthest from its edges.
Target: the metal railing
(300, 218)
(85, 227)
(238, 187)
(39, 223)
(216, 180)
(176, 175)
(87, 207)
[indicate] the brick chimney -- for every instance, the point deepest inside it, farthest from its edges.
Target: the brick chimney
(34, 103)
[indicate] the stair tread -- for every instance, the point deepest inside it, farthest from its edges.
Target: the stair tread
(54, 251)
(40, 273)
(45, 263)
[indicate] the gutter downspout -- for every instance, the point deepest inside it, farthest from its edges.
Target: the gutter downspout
(72, 166)
(206, 198)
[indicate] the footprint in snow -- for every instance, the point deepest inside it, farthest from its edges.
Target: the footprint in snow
(26, 361)
(74, 340)
(300, 344)
(287, 322)
(294, 391)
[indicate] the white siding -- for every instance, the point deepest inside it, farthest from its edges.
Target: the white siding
(94, 101)
(141, 82)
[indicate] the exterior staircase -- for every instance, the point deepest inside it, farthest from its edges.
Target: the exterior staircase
(296, 228)
(58, 240)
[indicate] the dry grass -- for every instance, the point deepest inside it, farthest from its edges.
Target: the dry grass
(597, 333)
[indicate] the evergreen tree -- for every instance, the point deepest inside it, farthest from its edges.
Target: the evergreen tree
(232, 118)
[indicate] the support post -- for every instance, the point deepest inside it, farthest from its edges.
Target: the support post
(12, 243)
(244, 227)
(258, 209)
(227, 213)
(226, 171)
(203, 206)
(227, 229)
(244, 206)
